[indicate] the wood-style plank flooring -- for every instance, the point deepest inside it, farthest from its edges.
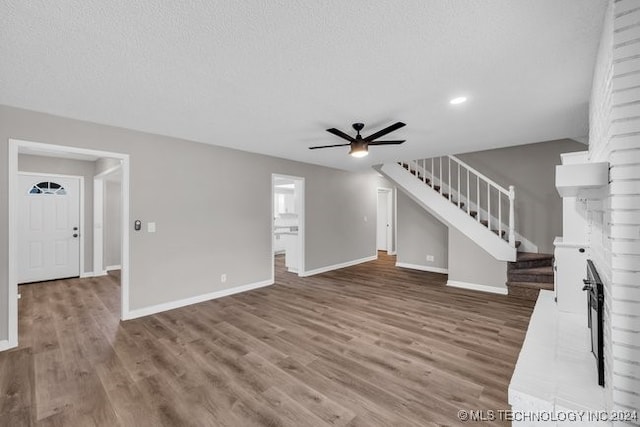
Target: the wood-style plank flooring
(370, 345)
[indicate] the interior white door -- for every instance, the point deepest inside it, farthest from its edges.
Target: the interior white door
(49, 222)
(383, 221)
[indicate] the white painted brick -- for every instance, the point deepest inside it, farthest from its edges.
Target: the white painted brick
(627, 34)
(618, 172)
(626, 262)
(625, 202)
(625, 231)
(625, 322)
(625, 217)
(625, 51)
(625, 307)
(625, 157)
(622, 112)
(625, 126)
(625, 96)
(626, 248)
(625, 337)
(623, 6)
(626, 367)
(625, 277)
(625, 187)
(629, 65)
(626, 20)
(626, 353)
(624, 82)
(620, 292)
(626, 381)
(625, 398)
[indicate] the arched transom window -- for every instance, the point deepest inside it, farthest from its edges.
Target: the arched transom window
(48, 187)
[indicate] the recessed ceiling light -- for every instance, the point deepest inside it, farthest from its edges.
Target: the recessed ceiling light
(458, 100)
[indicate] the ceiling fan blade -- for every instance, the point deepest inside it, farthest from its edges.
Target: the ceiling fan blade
(341, 134)
(385, 142)
(385, 131)
(328, 146)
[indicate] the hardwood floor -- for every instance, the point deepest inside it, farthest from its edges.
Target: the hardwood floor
(370, 345)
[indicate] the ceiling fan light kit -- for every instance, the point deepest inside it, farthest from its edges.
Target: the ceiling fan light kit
(359, 149)
(359, 145)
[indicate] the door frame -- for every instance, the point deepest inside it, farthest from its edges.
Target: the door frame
(14, 146)
(392, 211)
(99, 269)
(81, 269)
(299, 180)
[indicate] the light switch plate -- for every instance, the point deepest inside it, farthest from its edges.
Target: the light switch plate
(151, 227)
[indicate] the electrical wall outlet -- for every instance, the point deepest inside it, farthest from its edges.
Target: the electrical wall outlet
(223, 278)
(430, 258)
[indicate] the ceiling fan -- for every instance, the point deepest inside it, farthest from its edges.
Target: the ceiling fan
(360, 145)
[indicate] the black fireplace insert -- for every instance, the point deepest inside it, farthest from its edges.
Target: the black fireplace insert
(595, 303)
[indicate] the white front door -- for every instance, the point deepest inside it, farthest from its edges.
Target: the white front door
(48, 233)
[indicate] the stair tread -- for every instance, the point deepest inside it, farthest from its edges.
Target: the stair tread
(531, 256)
(532, 285)
(542, 271)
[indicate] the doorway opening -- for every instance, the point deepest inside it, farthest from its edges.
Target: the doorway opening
(385, 222)
(52, 207)
(107, 219)
(287, 219)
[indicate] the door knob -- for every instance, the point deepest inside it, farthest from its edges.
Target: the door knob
(75, 234)
(75, 228)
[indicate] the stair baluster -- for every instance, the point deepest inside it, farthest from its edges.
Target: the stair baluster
(419, 169)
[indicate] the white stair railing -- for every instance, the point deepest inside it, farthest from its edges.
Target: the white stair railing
(461, 190)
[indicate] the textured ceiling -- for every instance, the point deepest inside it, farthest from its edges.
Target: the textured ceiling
(269, 76)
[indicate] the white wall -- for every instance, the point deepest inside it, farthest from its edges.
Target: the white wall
(614, 136)
(469, 264)
(112, 224)
(212, 207)
(420, 234)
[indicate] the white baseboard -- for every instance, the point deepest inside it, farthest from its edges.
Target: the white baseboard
(146, 311)
(477, 287)
(92, 274)
(7, 345)
(113, 267)
(422, 268)
(338, 266)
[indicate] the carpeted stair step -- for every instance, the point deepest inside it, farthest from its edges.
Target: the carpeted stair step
(531, 260)
(532, 275)
(528, 274)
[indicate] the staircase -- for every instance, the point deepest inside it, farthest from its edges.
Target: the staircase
(529, 274)
(461, 197)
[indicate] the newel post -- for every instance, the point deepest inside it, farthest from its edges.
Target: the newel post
(512, 227)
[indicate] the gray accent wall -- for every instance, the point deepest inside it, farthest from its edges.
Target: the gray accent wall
(112, 224)
(420, 234)
(86, 169)
(531, 169)
(212, 207)
(469, 263)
